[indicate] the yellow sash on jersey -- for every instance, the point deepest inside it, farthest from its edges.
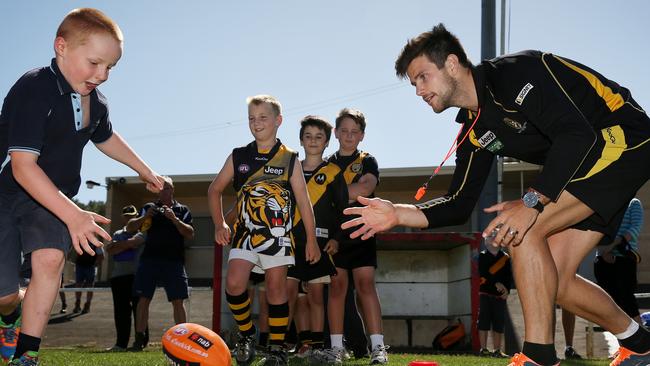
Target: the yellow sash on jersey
(354, 170)
(317, 186)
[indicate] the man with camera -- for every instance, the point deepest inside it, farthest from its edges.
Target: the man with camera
(166, 224)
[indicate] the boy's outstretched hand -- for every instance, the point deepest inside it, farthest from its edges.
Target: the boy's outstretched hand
(378, 215)
(84, 230)
(154, 182)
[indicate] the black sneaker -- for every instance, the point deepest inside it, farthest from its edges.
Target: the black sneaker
(277, 356)
(571, 354)
(484, 352)
(244, 351)
(499, 354)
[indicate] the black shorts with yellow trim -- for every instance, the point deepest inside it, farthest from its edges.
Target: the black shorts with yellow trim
(356, 254)
(306, 272)
(617, 166)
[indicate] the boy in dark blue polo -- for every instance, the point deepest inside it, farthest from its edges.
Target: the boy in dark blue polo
(47, 118)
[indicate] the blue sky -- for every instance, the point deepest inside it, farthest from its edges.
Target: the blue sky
(178, 93)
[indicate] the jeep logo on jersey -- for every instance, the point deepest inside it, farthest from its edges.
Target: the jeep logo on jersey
(320, 178)
(522, 94)
(490, 142)
(514, 124)
(356, 167)
(243, 168)
(273, 170)
(198, 339)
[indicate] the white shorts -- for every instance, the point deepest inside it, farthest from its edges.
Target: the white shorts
(261, 260)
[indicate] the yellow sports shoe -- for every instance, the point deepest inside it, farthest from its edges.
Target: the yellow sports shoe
(520, 359)
(625, 357)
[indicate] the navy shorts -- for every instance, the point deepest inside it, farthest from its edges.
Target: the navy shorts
(25, 226)
(492, 313)
(167, 273)
(85, 275)
(356, 254)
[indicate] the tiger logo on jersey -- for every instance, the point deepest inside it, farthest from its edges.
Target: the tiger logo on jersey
(267, 215)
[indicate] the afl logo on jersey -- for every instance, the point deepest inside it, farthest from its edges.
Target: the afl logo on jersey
(356, 167)
(320, 178)
(243, 168)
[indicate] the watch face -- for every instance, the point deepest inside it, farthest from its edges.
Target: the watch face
(530, 199)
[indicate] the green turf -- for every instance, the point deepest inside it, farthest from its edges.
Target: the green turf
(93, 357)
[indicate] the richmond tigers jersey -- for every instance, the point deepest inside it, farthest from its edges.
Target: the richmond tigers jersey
(265, 202)
(328, 194)
(494, 268)
(543, 109)
(354, 167)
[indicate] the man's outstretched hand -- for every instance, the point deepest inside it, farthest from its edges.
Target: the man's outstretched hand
(376, 215)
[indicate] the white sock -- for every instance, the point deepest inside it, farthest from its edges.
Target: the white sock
(631, 329)
(376, 340)
(336, 340)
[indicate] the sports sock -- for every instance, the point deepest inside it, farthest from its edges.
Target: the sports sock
(337, 340)
(317, 340)
(264, 339)
(240, 306)
(278, 321)
(304, 337)
(543, 354)
(638, 342)
(376, 340)
(26, 343)
(11, 318)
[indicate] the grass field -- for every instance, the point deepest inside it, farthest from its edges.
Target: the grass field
(153, 357)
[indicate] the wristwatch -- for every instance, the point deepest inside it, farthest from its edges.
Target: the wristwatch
(531, 200)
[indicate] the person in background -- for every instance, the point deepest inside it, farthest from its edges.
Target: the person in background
(125, 249)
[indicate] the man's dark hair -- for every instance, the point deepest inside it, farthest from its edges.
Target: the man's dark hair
(436, 45)
(318, 122)
(356, 116)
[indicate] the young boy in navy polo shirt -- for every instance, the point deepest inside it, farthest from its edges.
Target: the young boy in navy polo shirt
(47, 118)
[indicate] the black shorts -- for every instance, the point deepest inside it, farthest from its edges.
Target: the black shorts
(491, 313)
(25, 226)
(306, 272)
(356, 254)
(168, 273)
(610, 176)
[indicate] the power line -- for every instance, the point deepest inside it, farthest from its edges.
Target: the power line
(288, 112)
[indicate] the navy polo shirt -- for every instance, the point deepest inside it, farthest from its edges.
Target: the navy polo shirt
(163, 240)
(42, 115)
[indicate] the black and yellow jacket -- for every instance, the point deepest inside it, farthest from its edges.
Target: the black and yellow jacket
(542, 109)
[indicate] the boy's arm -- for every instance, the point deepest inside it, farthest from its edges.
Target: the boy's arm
(299, 187)
(81, 224)
(364, 187)
(116, 148)
(215, 193)
(118, 246)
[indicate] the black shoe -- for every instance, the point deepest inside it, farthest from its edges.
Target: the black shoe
(139, 344)
(277, 356)
(244, 351)
(484, 352)
(499, 354)
(571, 354)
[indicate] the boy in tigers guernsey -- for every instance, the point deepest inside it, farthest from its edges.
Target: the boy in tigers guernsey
(361, 174)
(268, 180)
(329, 196)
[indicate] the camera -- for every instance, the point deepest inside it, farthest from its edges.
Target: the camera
(159, 210)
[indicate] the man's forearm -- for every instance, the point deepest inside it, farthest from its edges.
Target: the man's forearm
(410, 216)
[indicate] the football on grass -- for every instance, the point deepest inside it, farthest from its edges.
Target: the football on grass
(191, 344)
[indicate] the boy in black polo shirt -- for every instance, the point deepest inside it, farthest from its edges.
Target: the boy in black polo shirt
(47, 118)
